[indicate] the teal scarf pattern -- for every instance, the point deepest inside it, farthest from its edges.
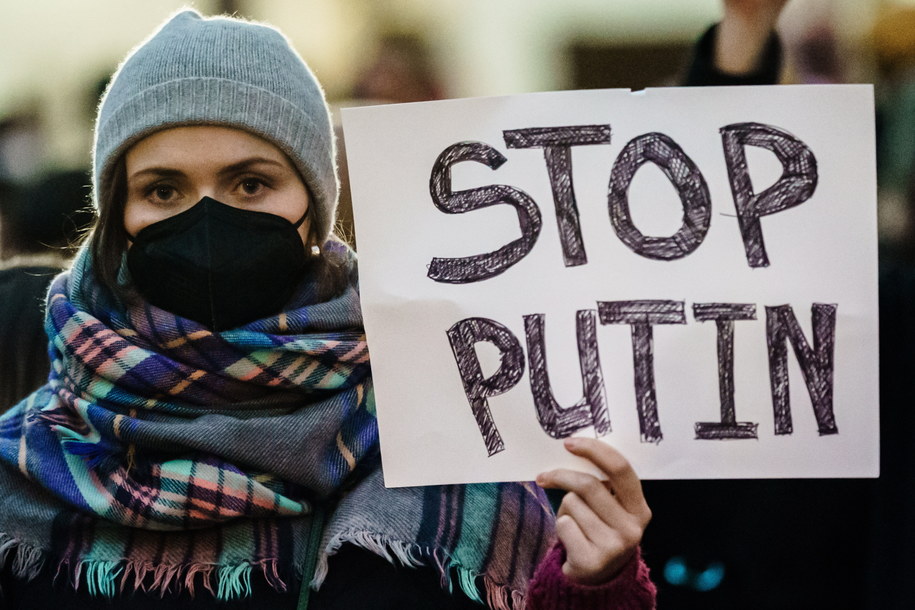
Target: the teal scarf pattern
(166, 457)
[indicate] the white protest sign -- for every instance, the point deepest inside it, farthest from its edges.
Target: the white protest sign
(689, 274)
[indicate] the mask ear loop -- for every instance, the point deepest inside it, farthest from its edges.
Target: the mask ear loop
(299, 222)
(314, 250)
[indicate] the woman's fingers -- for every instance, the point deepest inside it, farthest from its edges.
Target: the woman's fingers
(600, 523)
(620, 530)
(587, 489)
(595, 550)
(571, 534)
(593, 515)
(621, 477)
(579, 550)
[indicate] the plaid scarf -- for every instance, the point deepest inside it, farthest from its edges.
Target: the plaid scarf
(165, 457)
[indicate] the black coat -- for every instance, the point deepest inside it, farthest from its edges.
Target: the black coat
(24, 363)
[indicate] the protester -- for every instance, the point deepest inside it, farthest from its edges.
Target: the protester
(398, 71)
(37, 225)
(207, 433)
(889, 530)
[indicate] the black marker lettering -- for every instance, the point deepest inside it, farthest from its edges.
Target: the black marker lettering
(591, 410)
(641, 315)
(556, 143)
(686, 178)
(481, 266)
(795, 186)
(816, 364)
(724, 315)
(463, 335)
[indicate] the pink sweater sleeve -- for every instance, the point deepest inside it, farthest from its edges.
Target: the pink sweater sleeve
(632, 589)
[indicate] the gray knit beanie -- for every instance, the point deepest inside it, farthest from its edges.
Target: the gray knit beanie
(220, 71)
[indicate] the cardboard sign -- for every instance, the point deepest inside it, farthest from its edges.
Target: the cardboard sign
(689, 274)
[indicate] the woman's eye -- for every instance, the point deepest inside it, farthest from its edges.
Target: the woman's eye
(251, 186)
(163, 192)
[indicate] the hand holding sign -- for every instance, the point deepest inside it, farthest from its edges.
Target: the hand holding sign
(600, 523)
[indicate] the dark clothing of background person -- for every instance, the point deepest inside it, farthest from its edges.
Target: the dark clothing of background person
(24, 359)
(39, 224)
(764, 543)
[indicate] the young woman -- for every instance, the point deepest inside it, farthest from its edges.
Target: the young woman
(207, 436)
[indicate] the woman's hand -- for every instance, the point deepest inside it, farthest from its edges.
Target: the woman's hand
(600, 523)
(743, 33)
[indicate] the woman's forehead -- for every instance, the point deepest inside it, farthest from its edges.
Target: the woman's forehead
(204, 146)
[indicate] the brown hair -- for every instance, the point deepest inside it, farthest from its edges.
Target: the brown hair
(108, 238)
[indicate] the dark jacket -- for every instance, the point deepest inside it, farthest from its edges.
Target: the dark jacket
(24, 360)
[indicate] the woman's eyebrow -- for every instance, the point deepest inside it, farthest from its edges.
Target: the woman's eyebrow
(165, 172)
(246, 164)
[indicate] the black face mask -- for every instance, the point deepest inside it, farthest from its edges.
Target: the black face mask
(218, 265)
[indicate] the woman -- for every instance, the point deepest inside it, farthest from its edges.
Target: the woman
(207, 433)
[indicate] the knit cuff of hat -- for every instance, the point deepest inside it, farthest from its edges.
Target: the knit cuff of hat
(237, 105)
(631, 589)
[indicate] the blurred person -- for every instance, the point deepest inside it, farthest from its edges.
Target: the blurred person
(399, 70)
(893, 39)
(743, 49)
(38, 224)
(207, 435)
(817, 57)
(890, 526)
(48, 218)
(43, 211)
(22, 146)
(893, 42)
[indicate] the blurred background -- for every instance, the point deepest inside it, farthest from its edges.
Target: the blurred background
(58, 54)
(713, 544)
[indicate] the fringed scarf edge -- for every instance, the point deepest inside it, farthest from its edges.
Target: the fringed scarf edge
(499, 596)
(27, 561)
(107, 578)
